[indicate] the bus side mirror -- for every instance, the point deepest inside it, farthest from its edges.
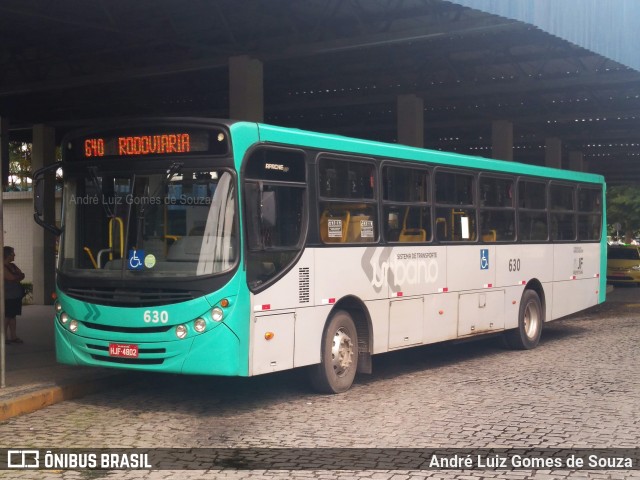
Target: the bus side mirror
(39, 197)
(268, 213)
(38, 200)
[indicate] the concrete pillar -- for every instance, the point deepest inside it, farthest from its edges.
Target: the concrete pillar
(4, 150)
(43, 153)
(4, 167)
(576, 161)
(553, 152)
(410, 121)
(246, 91)
(502, 139)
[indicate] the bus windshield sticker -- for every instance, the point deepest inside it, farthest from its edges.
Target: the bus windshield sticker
(335, 228)
(134, 261)
(366, 228)
(150, 261)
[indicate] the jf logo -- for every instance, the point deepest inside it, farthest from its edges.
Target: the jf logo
(484, 259)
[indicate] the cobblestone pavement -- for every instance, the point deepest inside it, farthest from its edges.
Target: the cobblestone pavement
(579, 389)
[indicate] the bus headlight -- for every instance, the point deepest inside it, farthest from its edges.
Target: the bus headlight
(217, 314)
(64, 318)
(58, 307)
(181, 331)
(199, 325)
(73, 326)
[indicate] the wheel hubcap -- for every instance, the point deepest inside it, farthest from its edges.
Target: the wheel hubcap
(531, 320)
(341, 352)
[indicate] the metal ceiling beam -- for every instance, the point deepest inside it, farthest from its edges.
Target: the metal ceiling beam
(292, 52)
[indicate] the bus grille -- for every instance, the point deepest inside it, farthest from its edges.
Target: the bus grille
(118, 329)
(130, 298)
(129, 361)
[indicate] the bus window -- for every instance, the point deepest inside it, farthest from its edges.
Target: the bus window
(563, 218)
(532, 211)
(407, 215)
(497, 214)
(456, 222)
(348, 211)
(589, 213)
(275, 205)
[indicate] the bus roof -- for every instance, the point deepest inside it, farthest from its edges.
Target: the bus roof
(338, 143)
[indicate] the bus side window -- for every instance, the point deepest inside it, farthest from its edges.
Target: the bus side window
(275, 204)
(563, 218)
(589, 213)
(348, 207)
(497, 211)
(406, 198)
(532, 203)
(334, 226)
(456, 205)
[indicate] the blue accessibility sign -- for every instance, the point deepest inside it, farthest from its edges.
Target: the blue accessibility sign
(134, 261)
(484, 259)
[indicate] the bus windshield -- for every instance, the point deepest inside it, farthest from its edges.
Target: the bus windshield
(175, 222)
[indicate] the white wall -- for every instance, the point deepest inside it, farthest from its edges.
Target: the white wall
(19, 227)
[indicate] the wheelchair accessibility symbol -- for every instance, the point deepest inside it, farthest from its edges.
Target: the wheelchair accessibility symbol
(134, 260)
(484, 259)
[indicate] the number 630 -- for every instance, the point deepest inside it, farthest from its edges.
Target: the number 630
(155, 316)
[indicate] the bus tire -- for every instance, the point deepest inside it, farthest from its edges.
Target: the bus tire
(339, 355)
(530, 320)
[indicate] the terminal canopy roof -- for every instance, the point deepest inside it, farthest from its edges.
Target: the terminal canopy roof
(554, 68)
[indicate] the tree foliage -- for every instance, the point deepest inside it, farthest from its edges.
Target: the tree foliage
(20, 173)
(623, 207)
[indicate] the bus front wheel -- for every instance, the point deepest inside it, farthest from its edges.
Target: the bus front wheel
(530, 321)
(339, 355)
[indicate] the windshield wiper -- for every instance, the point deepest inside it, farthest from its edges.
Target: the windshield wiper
(96, 184)
(173, 170)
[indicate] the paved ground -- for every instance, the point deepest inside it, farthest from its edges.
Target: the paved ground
(579, 389)
(33, 379)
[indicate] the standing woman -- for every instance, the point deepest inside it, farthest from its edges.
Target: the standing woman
(13, 293)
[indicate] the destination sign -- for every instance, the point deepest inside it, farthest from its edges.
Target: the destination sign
(165, 143)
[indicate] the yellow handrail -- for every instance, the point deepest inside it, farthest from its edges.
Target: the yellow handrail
(121, 224)
(93, 260)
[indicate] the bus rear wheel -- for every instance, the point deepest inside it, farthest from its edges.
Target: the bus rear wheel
(530, 321)
(339, 355)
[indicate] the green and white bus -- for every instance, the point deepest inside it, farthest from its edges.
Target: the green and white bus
(215, 247)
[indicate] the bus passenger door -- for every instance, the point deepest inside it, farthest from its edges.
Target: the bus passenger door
(405, 322)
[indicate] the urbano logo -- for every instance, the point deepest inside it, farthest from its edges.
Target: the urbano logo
(23, 459)
(399, 269)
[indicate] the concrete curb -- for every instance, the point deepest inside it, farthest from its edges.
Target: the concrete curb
(45, 397)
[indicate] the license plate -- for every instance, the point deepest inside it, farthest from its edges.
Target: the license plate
(123, 350)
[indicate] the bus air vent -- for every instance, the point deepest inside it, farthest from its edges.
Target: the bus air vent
(303, 285)
(130, 297)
